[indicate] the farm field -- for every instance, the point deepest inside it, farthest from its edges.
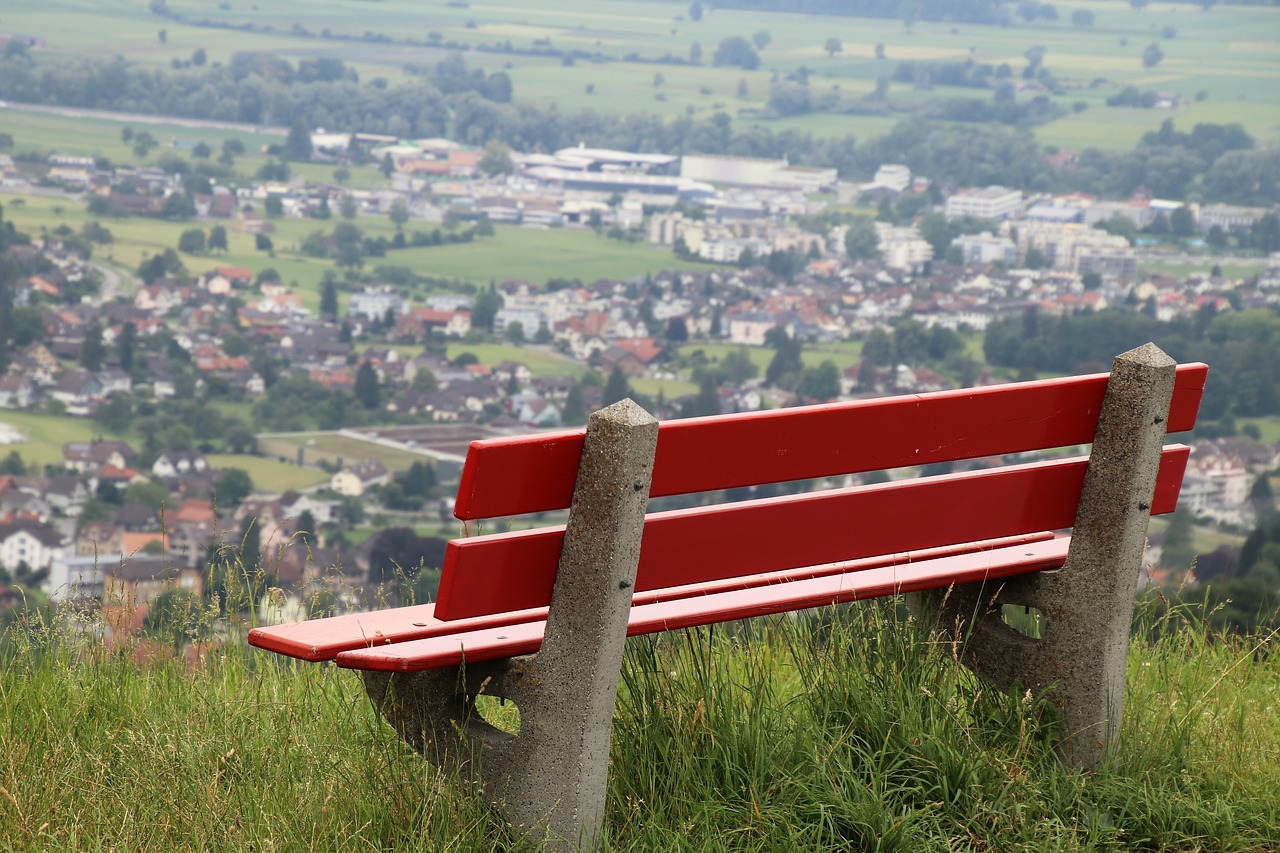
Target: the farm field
(1222, 62)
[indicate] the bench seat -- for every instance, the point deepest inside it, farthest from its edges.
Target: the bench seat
(682, 608)
(318, 640)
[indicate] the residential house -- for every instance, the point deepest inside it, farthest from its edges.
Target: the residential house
(16, 391)
(353, 480)
(30, 543)
(179, 463)
(89, 456)
(78, 391)
(66, 493)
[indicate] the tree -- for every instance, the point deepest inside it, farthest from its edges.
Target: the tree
(1182, 222)
(695, 10)
(761, 39)
(1082, 18)
(819, 384)
(263, 243)
(305, 524)
(273, 206)
(217, 239)
(329, 297)
(399, 213)
(877, 353)
(115, 413)
(677, 330)
(233, 486)
(298, 143)
(880, 50)
(347, 207)
(574, 412)
(514, 332)
(833, 46)
(199, 57)
(366, 389)
(192, 242)
(1152, 56)
(695, 54)
(786, 364)
(399, 553)
(178, 205)
(496, 159)
(92, 350)
(127, 344)
(737, 51)
(486, 307)
(617, 387)
(861, 241)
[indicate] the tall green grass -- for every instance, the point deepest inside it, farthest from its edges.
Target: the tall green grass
(848, 728)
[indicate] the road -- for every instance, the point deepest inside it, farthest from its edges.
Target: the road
(140, 118)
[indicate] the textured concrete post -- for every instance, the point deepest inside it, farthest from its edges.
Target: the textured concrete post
(551, 778)
(1088, 604)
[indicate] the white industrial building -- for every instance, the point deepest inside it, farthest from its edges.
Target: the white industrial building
(985, 203)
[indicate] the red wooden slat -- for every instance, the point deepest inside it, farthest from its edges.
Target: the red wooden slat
(324, 639)
(526, 638)
(515, 571)
(536, 473)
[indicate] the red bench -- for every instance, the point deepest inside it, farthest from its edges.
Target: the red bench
(539, 616)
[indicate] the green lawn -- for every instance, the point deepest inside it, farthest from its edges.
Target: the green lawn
(847, 730)
(270, 475)
(332, 447)
(45, 435)
(541, 361)
(538, 255)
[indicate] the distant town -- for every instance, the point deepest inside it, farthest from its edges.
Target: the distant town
(778, 263)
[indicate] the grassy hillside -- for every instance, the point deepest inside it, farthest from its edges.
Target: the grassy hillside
(849, 731)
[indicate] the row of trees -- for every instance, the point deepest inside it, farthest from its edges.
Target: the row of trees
(1242, 346)
(1230, 168)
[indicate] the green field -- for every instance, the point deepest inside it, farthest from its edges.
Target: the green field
(541, 361)
(513, 253)
(45, 435)
(846, 730)
(843, 355)
(270, 475)
(332, 447)
(538, 255)
(1230, 53)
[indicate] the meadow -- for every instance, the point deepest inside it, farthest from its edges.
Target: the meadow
(1227, 55)
(513, 252)
(847, 729)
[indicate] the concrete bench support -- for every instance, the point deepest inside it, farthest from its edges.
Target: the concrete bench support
(550, 779)
(1088, 604)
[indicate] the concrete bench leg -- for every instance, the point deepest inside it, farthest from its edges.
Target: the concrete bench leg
(550, 779)
(1088, 604)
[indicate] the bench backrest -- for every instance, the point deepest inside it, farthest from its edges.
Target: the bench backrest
(503, 477)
